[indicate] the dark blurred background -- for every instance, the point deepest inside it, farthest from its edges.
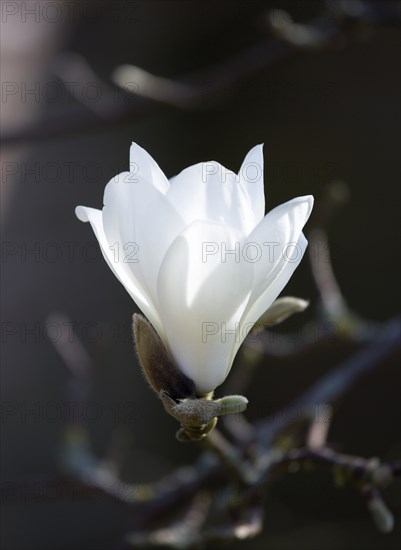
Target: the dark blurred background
(323, 112)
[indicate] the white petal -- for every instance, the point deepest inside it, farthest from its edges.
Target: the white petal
(251, 174)
(275, 238)
(260, 303)
(120, 269)
(143, 166)
(201, 299)
(273, 289)
(279, 241)
(139, 218)
(209, 191)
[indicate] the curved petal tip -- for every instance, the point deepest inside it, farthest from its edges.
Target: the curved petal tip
(81, 213)
(310, 199)
(307, 203)
(256, 150)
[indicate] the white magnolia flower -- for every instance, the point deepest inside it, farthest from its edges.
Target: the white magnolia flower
(197, 254)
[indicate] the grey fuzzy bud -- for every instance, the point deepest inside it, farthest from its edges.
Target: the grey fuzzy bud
(157, 366)
(232, 404)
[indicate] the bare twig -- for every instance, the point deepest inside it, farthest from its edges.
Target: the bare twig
(318, 430)
(205, 89)
(262, 466)
(337, 382)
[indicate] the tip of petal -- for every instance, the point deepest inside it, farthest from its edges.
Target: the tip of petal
(308, 200)
(81, 213)
(259, 147)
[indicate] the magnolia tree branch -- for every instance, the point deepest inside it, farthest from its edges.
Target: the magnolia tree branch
(228, 477)
(139, 94)
(241, 471)
(368, 475)
(330, 387)
(338, 382)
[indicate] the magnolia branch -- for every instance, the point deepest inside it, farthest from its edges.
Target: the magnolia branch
(140, 94)
(338, 382)
(242, 471)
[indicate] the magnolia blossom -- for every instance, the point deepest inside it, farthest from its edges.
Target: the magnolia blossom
(197, 254)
